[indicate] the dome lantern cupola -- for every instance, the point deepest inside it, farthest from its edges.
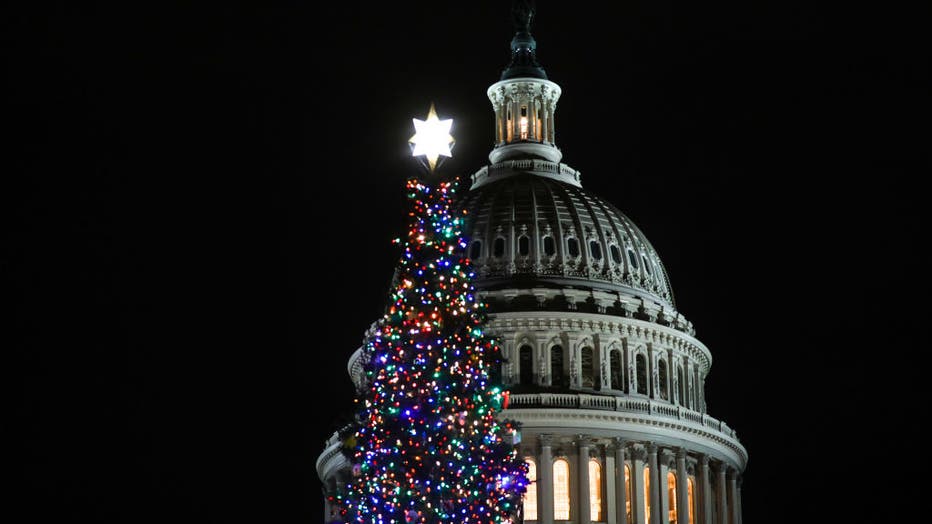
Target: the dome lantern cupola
(524, 100)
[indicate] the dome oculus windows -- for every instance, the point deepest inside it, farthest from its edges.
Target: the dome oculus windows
(475, 250)
(524, 245)
(572, 247)
(498, 248)
(550, 247)
(596, 249)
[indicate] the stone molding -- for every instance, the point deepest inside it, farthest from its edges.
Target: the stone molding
(726, 448)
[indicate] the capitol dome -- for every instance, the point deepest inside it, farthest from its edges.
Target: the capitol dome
(605, 377)
(546, 230)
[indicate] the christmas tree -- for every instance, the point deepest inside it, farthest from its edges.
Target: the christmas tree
(428, 447)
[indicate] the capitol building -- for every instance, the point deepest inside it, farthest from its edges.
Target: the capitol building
(605, 376)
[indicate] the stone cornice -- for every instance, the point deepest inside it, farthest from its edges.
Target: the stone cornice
(708, 441)
(629, 328)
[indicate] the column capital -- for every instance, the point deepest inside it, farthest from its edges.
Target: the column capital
(681, 454)
(652, 448)
(639, 453)
(618, 444)
(584, 441)
(545, 439)
(704, 460)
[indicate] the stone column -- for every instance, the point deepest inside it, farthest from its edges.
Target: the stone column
(532, 117)
(655, 508)
(583, 443)
(638, 500)
(722, 486)
(664, 459)
(705, 488)
(621, 492)
(738, 503)
(609, 513)
(545, 481)
(733, 496)
(682, 489)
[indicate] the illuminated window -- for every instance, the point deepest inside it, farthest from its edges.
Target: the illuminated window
(628, 493)
(691, 490)
(475, 250)
(646, 494)
(549, 246)
(523, 123)
(530, 496)
(595, 249)
(525, 365)
(662, 375)
(595, 490)
(642, 374)
(616, 253)
(671, 497)
(498, 249)
(615, 365)
(561, 490)
(524, 245)
(510, 127)
(556, 366)
(572, 247)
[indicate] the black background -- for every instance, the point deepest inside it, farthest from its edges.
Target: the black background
(199, 201)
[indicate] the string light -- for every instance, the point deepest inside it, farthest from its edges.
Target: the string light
(428, 447)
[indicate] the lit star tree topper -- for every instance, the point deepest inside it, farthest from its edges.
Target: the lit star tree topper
(432, 138)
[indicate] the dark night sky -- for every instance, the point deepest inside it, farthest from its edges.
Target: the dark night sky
(199, 204)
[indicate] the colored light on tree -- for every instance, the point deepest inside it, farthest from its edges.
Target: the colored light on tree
(429, 448)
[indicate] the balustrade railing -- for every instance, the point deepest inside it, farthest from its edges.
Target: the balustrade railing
(633, 405)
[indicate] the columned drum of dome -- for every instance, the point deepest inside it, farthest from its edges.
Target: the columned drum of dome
(606, 377)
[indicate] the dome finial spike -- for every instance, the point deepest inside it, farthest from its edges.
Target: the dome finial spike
(523, 46)
(522, 12)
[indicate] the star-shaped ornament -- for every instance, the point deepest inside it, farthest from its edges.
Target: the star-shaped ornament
(432, 137)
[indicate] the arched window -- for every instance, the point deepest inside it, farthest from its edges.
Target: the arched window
(595, 490)
(572, 246)
(595, 249)
(615, 365)
(530, 496)
(691, 492)
(561, 489)
(628, 493)
(616, 253)
(550, 247)
(556, 366)
(682, 384)
(671, 497)
(498, 248)
(662, 376)
(646, 265)
(641, 361)
(588, 367)
(524, 245)
(646, 494)
(633, 259)
(525, 365)
(475, 251)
